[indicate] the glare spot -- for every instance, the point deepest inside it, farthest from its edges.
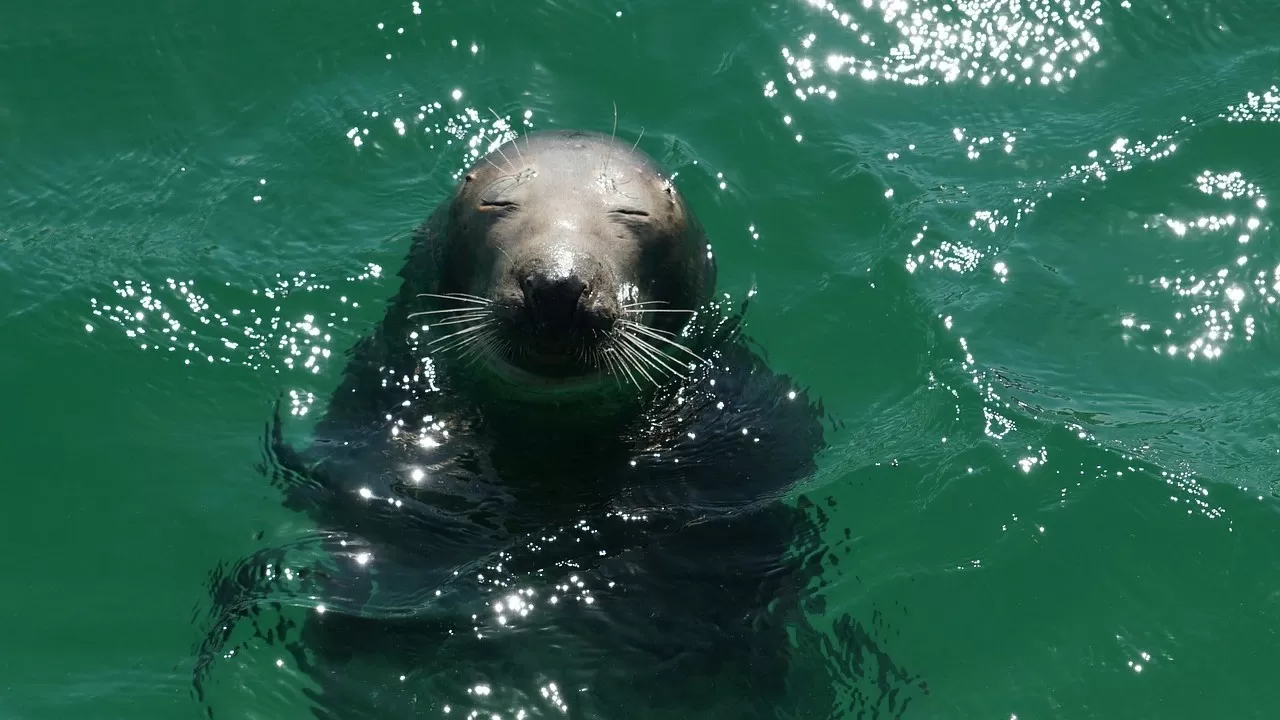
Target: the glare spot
(1006, 41)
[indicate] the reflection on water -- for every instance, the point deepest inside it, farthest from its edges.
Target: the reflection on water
(984, 41)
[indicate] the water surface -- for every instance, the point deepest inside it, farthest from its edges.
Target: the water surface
(1024, 251)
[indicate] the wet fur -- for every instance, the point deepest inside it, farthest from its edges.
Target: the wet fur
(669, 511)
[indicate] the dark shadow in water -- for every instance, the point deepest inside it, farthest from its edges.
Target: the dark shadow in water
(474, 555)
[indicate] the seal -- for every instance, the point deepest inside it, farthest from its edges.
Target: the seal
(553, 479)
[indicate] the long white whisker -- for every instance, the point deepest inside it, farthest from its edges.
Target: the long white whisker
(655, 354)
(455, 311)
(457, 344)
(516, 144)
(464, 331)
(612, 136)
(498, 147)
(641, 311)
(620, 359)
(663, 333)
(618, 376)
(637, 327)
(478, 346)
(609, 364)
(637, 362)
(458, 321)
(649, 361)
(461, 297)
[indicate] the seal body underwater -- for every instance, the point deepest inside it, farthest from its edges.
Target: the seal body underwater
(551, 481)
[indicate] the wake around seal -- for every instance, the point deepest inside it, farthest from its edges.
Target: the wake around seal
(553, 480)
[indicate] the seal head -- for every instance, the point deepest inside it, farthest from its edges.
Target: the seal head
(568, 257)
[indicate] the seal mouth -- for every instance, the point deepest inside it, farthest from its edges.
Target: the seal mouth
(509, 341)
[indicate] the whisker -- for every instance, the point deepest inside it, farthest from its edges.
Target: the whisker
(612, 136)
(659, 367)
(467, 353)
(478, 345)
(637, 362)
(464, 331)
(607, 360)
(637, 327)
(655, 354)
(664, 333)
(457, 344)
(641, 311)
(498, 147)
(633, 147)
(516, 144)
(646, 302)
(620, 360)
(461, 297)
(455, 311)
(458, 321)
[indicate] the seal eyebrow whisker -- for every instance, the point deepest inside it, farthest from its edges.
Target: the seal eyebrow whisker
(516, 145)
(633, 147)
(498, 147)
(507, 178)
(612, 137)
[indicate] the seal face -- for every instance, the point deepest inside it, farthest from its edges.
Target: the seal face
(569, 256)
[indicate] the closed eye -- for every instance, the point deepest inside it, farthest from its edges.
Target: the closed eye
(496, 205)
(632, 213)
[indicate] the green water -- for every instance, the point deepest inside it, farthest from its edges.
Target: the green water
(1024, 251)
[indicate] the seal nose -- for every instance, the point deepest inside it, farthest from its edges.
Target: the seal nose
(554, 303)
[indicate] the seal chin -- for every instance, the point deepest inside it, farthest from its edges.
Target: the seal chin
(538, 380)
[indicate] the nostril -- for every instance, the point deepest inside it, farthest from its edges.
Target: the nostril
(553, 302)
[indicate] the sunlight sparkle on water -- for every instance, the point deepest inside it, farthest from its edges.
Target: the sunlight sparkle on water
(175, 317)
(1215, 303)
(1256, 108)
(1031, 42)
(983, 41)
